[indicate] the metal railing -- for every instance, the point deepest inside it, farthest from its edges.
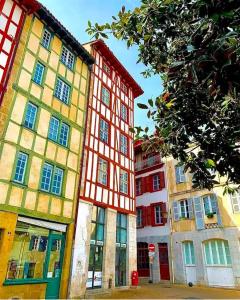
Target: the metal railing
(147, 163)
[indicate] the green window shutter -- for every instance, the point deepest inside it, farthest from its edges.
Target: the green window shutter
(215, 208)
(190, 208)
(199, 216)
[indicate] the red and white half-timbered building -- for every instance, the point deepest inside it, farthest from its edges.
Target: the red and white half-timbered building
(12, 17)
(152, 215)
(105, 240)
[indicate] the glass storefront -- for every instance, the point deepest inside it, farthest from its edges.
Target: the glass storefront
(96, 248)
(121, 250)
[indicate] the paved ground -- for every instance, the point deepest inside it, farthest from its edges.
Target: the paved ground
(157, 291)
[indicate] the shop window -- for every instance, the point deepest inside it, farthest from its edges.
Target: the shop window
(105, 96)
(104, 131)
(62, 91)
(21, 166)
(46, 39)
(189, 255)
(67, 58)
(30, 116)
(217, 253)
(102, 171)
(38, 74)
(180, 174)
(123, 181)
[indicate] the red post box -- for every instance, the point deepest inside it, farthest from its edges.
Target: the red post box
(135, 278)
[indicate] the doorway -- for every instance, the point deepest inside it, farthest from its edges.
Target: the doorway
(163, 261)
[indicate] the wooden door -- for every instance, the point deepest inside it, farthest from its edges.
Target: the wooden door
(163, 261)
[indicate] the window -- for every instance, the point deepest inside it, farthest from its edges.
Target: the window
(102, 171)
(58, 131)
(184, 209)
(235, 198)
(52, 178)
(121, 228)
(143, 259)
(46, 39)
(67, 58)
(106, 69)
(97, 228)
(180, 175)
(124, 112)
(104, 128)
(123, 182)
(105, 96)
(30, 116)
(62, 91)
(38, 74)
(21, 165)
(209, 202)
(124, 88)
(138, 186)
(123, 144)
(156, 182)
(139, 217)
(157, 214)
(188, 250)
(217, 253)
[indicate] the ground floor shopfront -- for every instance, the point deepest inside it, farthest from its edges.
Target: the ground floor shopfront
(104, 253)
(34, 257)
(208, 257)
(160, 269)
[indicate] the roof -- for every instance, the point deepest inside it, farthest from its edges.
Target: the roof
(104, 49)
(31, 5)
(53, 23)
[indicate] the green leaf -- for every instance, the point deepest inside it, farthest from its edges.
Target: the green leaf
(150, 101)
(142, 106)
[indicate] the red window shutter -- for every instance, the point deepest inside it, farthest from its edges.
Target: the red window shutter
(148, 216)
(149, 184)
(152, 215)
(162, 180)
(143, 216)
(163, 207)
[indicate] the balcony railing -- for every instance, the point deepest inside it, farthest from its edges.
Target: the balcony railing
(147, 163)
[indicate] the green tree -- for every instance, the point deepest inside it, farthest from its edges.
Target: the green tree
(194, 46)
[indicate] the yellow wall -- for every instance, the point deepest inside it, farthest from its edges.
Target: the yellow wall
(183, 191)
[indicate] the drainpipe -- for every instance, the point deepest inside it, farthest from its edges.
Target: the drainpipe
(170, 225)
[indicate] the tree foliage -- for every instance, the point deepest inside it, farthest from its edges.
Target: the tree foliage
(194, 46)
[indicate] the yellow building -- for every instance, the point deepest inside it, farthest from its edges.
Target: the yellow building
(205, 232)
(41, 136)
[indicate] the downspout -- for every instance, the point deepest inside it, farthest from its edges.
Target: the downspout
(170, 226)
(80, 173)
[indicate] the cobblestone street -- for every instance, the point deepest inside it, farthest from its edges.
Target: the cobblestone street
(157, 291)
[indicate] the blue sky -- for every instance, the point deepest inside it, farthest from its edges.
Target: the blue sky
(74, 15)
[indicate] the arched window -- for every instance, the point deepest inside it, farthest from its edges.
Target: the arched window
(217, 253)
(188, 251)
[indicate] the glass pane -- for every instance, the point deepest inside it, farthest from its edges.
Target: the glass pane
(118, 219)
(100, 232)
(220, 246)
(214, 252)
(98, 258)
(54, 266)
(28, 252)
(118, 238)
(207, 254)
(94, 213)
(228, 256)
(91, 258)
(93, 231)
(192, 253)
(123, 220)
(101, 215)
(123, 236)
(186, 253)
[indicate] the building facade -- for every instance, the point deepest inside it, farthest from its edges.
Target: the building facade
(41, 138)
(12, 17)
(152, 215)
(205, 232)
(104, 252)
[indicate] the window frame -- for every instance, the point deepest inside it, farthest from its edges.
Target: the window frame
(50, 40)
(235, 196)
(159, 182)
(124, 183)
(107, 172)
(120, 228)
(69, 53)
(139, 180)
(124, 146)
(58, 79)
(108, 73)
(59, 132)
(42, 75)
(182, 176)
(53, 172)
(124, 88)
(186, 209)
(216, 258)
(191, 251)
(104, 87)
(101, 119)
(22, 182)
(25, 116)
(125, 114)
(210, 205)
(139, 217)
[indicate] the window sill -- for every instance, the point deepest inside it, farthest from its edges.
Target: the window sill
(38, 84)
(33, 130)
(24, 281)
(49, 193)
(218, 266)
(70, 69)
(68, 104)
(19, 184)
(58, 144)
(46, 47)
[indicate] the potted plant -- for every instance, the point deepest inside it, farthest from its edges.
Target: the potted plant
(210, 215)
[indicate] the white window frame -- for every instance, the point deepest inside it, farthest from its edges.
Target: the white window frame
(103, 132)
(180, 175)
(138, 187)
(211, 258)
(106, 96)
(60, 97)
(139, 217)
(185, 213)
(124, 112)
(24, 169)
(102, 172)
(124, 144)
(70, 58)
(208, 199)
(49, 35)
(235, 197)
(156, 182)
(106, 69)
(157, 213)
(190, 246)
(123, 182)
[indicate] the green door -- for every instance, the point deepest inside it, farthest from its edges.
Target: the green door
(53, 266)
